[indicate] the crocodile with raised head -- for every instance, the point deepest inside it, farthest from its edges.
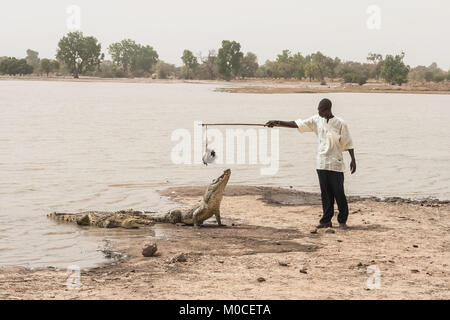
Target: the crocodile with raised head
(195, 215)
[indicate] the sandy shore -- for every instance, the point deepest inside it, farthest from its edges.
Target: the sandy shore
(268, 86)
(268, 238)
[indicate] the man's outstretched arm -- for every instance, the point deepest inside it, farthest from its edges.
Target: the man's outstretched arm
(279, 123)
(353, 163)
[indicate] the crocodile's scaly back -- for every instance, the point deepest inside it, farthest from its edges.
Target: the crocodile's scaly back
(196, 214)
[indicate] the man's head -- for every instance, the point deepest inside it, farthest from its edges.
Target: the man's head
(325, 108)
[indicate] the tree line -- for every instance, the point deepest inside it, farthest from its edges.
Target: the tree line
(82, 55)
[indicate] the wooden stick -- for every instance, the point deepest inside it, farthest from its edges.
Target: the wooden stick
(233, 124)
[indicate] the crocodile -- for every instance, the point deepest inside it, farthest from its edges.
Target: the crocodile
(195, 215)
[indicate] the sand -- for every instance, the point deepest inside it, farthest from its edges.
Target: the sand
(266, 251)
(269, 86)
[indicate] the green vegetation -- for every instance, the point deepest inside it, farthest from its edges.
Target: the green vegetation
(47, 66)
(12, 66)
(190, 64)
(133, 59)
(249, 65)
(394, 69)
(427, 74)
(229, 59)
(80, 55)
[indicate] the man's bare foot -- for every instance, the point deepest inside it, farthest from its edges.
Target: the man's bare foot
(343, 226)
(325, 225)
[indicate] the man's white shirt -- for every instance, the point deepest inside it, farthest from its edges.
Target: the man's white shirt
(334, 138)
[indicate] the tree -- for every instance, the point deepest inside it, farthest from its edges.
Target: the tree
(377, 60)
(284, 65)
(144, 60)
(249, 65)
(33, 59)
(426, 74)
(13, 66)
(394, 69)
(164, 70)
(79, 53)
(319, 66)
(124, 53)
(354, 72)
(299, 65)
(48, 66)
(133, 57)
(229, 59)
(209, 64)
(190, 62)
(54, 65)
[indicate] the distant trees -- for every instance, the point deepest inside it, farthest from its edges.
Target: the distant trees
(32, 59)
(208, 69)
(354, 72)
(318, 66)
(133, 58)
(47, 66)
(190, 63)
(12, 66)
(430, 73)
(394, 69)
(82, 55)
(249, 65)
(165, 70)
(79, 53)
(377, 61)
(229, 59)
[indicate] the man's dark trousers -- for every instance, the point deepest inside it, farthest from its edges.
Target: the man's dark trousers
(332, 187)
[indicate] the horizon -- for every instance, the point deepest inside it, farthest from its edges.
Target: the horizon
(41, 25)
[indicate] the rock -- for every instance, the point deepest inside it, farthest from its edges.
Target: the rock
(283, 264)
(220, 261)
(313, 231)
(179, 258)
(261, 279)
(149, 250)
(415, 271)
(330, 231)
(415, 246)
(303, 270)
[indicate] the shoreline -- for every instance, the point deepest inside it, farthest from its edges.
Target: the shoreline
(268, 235)
(266, 86)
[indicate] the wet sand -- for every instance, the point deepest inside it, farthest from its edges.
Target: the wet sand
(266, 251)
(294, 86)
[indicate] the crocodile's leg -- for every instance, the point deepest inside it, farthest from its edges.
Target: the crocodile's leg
(195, 217)
(217, 214)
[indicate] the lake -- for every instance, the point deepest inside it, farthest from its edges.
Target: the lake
(74, 146)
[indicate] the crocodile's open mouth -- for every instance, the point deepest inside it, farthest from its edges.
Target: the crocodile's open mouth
(223, 178)
(217, 186)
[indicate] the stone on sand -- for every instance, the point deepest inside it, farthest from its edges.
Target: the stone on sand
(149, 250)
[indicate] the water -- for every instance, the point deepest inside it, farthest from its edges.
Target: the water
(68, 147)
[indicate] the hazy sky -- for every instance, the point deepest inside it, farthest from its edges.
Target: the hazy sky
(337, 28)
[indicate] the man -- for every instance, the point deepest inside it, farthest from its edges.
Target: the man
(334, 138)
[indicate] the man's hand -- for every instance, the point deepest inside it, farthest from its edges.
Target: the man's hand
(353, 166)
(272, 123)
(353, 163)
(279, 123)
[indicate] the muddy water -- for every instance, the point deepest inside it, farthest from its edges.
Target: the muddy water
(67, 146)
